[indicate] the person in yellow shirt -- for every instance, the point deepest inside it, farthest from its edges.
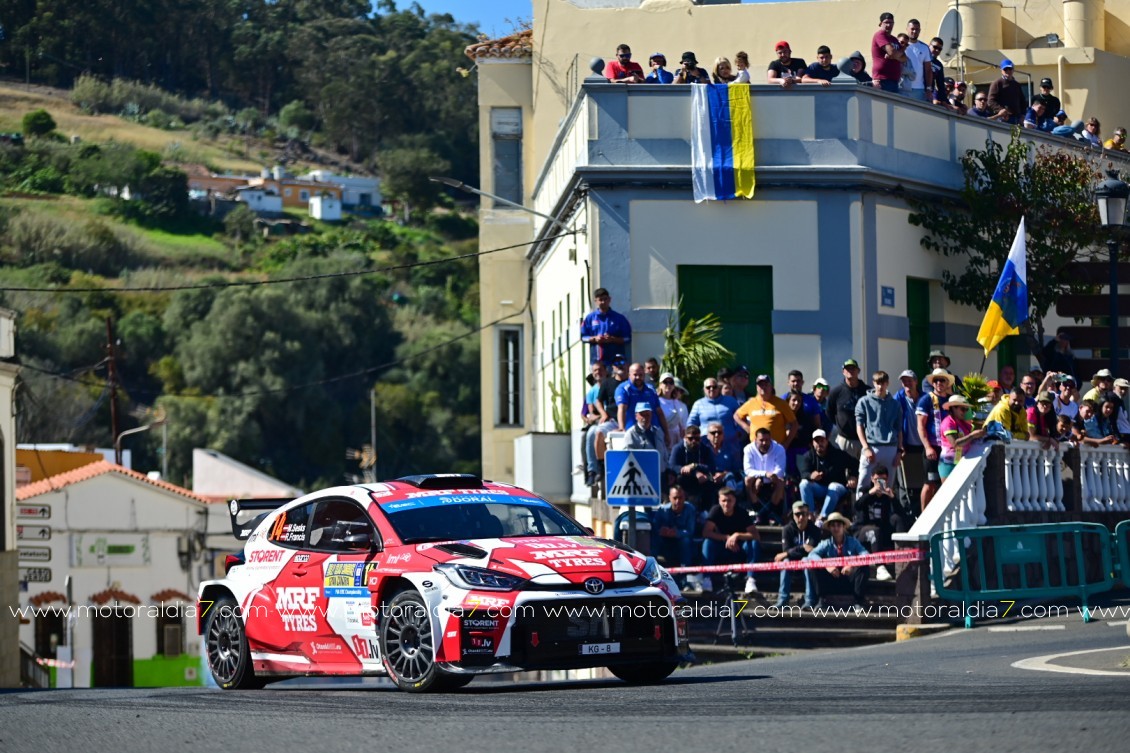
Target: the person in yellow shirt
(767, 411)
(1010, 411)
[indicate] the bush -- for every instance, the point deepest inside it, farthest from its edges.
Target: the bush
(38, 123)
(135, 100)
(92, 246)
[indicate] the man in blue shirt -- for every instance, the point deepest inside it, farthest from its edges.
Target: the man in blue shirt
(659, 73)
(715, 407)
(838, 579)
(606, 331)
(633, 392)
(674, 524)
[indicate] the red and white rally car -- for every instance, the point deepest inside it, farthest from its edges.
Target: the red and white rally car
(432, 580)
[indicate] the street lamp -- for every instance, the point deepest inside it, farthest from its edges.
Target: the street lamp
(459, 185)
(1111, 195)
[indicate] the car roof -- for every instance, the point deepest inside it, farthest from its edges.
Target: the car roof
(428, 486)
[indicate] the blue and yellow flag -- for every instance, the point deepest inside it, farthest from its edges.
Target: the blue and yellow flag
(721, 141)
(1009, 307)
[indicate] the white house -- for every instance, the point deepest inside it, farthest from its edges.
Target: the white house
(132, 549)
(356, 191)
(325, 207)
(261, 200)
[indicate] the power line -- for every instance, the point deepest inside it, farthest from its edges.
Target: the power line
(279, 281)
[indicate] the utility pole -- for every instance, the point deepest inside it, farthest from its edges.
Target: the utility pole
(373, 427)
(112, 375)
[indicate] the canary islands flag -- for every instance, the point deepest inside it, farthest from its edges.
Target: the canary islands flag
(1009, 306)
(721, 141)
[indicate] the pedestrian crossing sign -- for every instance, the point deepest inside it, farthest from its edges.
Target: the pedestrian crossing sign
(632, 478)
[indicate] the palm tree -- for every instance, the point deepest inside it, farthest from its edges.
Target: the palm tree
(693, 352)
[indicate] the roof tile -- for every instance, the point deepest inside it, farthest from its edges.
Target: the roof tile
(87, 472)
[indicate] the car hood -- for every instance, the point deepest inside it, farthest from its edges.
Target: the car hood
(544, 560)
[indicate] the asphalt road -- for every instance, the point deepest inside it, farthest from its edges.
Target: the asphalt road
(954, 692)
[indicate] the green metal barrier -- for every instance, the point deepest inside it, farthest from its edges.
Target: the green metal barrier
(1014, 563)
(1122, 549)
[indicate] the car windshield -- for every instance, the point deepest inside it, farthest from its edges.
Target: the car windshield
(451, 518)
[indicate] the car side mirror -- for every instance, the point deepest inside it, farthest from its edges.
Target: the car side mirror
(590, 531)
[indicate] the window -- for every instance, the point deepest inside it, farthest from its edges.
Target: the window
(50, 631)
(506, 152)
(304, 195)
(286, 192)
(509, 376)
(170, 631)
(339, 525)
(289, 527)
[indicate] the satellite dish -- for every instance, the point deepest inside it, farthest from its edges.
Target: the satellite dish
(950, 33)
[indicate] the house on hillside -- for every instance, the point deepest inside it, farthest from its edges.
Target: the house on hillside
(357, 193)
(261, 199)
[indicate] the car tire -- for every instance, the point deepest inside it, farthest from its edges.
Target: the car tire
(408, 647)
(644, 674)
(225, 643)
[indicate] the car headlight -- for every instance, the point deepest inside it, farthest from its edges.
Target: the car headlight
(471, 578)
(652, 571)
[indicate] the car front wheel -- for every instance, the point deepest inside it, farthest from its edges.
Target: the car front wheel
(408, 647)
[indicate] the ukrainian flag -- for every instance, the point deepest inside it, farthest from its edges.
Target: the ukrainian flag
(1009, 306)
(721, 141)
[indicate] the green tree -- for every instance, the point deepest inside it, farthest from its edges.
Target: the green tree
(406, 170)
(38, 123)
(1050, 188)
(296, 119)
(692, 352)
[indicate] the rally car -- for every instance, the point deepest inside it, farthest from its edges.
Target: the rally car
(432, 580)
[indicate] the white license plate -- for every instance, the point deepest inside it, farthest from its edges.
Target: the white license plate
(596, 649)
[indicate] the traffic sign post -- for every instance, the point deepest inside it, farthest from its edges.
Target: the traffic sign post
(632, 479)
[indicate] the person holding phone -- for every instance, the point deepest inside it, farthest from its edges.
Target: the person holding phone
(689, 72)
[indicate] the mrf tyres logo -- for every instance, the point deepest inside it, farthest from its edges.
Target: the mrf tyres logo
(296, 608)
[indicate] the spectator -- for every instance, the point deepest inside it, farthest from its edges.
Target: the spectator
(728, 470)
(796, 384)
(1117, 142)
(995, 392)
(606, 331)
(659, 73)
(1092, 132)
(820, 396)
(841, 406)
(930, 414)
(957, 98)
(633, 391)
(785, 70)
(936, 360)
(1051, 102)
(907, 397)
(938, 72)
(724, 376)
(1007, 377)
(1006, 98)
(827, 474)
(798, 538)
(957, 433)
(723, 71)
(1122, 390)
(859, 68)
(878, 419)
(741, 65)
(980, 108)
(764, 468)
(1028, 383)
(715, 407)
(1102, 384)
(651, 372)
(1088, 428)
(1058, 355)
(916, 70)
(1060, 119)
(766, 410)
(802, 439)
(1011, 414)
(621, 69)
(839, 579)
(730, 537)
(674, 410)
(674, 525)
(739, 384)
(644, 435)
(692, 463)
(886, 57)
(822, 71)
(689, 72)
(1036, 117)
(1108, 418)
(1067, 400)
(1042, 420)
(601, 399)
(1064, 430)
(877, 517)
(1073, 131)
(907, 70)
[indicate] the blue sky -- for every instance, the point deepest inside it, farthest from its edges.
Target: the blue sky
(490, 15)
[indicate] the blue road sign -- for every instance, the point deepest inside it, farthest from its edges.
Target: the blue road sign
(632, 478)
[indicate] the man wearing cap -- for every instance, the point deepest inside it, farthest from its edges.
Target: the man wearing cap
(1011, 413)
(839, 579)
(692, 462)
(886, 57)
(930, 413)
(632, 392)
(798, 538)
(916, 67)
(764, 466)
(827, 474)
(1066, 401)
(739, 384)
(767, 411)
(936, 360)
(715, 407)
(730, 536)
(621, 69)
(606, 331)
(1117, 142)
(785, 70)
(907, 397)
(689, 72)
(878, 420)
(1122, 390)
(841, 408)
(1051, 102)
(674, 524)
(659, 73)
(644, 435)
(820, 390)
(1006, 98)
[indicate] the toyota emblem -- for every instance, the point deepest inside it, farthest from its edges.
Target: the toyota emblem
(594, 585)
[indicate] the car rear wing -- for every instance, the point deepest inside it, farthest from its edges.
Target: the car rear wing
(242, 525)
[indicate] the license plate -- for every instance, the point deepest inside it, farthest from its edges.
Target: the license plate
(596, 649)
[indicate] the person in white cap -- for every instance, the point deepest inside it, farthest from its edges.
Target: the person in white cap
(1102, 384)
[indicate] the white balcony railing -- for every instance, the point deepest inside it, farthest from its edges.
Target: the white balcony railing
(1033, 478)
(1105, 475)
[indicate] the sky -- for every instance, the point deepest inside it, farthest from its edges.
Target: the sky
(490, 15)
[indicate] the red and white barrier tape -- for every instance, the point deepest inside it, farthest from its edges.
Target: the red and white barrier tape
(880, 558)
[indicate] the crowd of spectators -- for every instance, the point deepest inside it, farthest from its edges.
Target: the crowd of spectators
(854, 450)
(900, 64)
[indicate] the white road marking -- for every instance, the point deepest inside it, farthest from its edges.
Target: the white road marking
(1024, 628)
(1043, 663)
(1119, 623)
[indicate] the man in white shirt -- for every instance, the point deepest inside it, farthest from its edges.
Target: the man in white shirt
(765, 477)
(917, 63)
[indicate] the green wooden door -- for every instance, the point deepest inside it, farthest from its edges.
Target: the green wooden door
(918, 315)
(742, 297)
